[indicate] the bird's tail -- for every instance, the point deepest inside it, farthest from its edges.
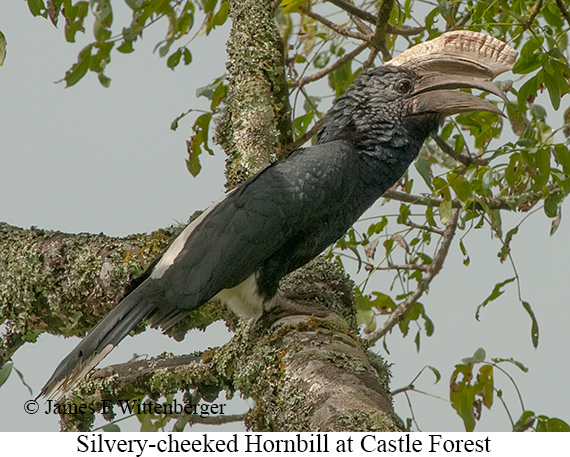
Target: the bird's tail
(98, 343)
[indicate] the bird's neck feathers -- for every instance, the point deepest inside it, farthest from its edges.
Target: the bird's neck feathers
(371, 125)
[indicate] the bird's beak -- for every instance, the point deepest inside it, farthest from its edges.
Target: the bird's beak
(456, 60)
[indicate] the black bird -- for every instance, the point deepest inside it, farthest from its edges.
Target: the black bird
(240, 247)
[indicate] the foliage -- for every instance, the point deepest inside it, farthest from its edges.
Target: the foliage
(462, 181)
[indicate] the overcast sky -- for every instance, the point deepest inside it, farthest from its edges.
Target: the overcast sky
(89, 159)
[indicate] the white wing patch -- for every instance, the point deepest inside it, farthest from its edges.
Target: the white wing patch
(176, 247)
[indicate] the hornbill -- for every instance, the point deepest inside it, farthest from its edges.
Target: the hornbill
(240, 247)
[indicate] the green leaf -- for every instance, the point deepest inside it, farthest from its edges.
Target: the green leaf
(553, 203)
(506, 249)
(534, 323)
(466, 259)
(461, 186)
(111, 428)
(462, 395)
(222, 15)
(487, 180)
(547, 424)
(208, 90)
(478, 357)
(187, 55)
(423, 166)
(436, 373)
(530, 57)
(563, 157)
(513, 361)
(341, 78)
(198, 141)
(527, 92)
(2, 48)
(524, 422)
(496, 293)
(376, 228)
(364, 312)
(5, 372)
(383, 303)
(552, 15)
(552, 83)
(445, 211)
(37, 7)
(79, 69)
(174, 59)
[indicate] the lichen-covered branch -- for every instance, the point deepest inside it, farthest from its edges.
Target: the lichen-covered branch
(304, 373)
(256, 120)
(62, 283)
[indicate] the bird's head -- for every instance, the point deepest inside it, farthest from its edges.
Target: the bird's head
(408, 97)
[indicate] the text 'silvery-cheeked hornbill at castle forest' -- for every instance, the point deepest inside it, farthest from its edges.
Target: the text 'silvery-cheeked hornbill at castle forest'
(240, 247)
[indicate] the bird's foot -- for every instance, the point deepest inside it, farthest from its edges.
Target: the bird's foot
(284, 306)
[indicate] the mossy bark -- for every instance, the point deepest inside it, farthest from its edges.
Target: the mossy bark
(64, 284)
(256, 120)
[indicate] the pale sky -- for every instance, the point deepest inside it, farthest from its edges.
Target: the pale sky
(89, 159)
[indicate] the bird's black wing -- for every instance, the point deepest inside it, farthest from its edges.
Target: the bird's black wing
(273, 223)
(289, 212)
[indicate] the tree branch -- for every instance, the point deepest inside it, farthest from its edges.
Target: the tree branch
(463, 158)
(379, 39)
(434, 268)
(339, 63)
(331, 25)
(510, 203)
(48, 279)
(256, 120)
(353, 10)
(533, 13)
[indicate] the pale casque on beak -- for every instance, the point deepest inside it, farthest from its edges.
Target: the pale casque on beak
(455, 60)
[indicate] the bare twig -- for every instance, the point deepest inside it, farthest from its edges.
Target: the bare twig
(534, 12)
(424, 227)
(403, 389)
(410, 266)
(379, 39)
(301, 141)
(463, 158)
(369, 17)
(339, 63)
(461, 22)
(184, 419)
(409, 31)
(362, 27)
(351, 9)
(509, 203)
(331, 25)
(400, 312)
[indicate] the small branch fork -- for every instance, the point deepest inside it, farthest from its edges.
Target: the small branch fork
(463, 158)
(400, 312)
(375, 40)
(339, 63)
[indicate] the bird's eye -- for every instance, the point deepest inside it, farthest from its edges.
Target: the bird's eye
(403, 86)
